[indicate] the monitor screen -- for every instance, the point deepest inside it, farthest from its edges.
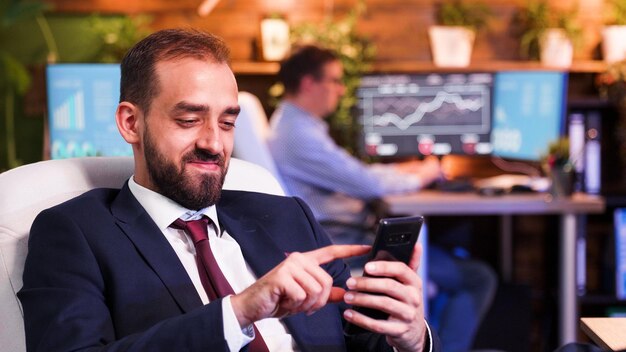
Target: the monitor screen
(529, 113)
(82, 99)
(425, 114)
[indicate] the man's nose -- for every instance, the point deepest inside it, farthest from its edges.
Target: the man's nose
(210, 140)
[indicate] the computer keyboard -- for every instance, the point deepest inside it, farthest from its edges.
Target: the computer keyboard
(513, 182)
(507, 183)
(456, 185)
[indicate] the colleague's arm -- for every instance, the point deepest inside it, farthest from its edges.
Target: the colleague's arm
(428, 170)
(306, 153)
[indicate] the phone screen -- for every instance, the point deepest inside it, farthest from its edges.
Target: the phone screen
(395, 240)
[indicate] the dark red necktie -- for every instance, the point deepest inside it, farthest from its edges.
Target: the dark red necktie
(212, 278)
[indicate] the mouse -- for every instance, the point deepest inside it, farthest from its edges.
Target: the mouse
(521, 189)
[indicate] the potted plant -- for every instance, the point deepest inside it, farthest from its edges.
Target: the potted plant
(356, 53)
(547, 34)
(559, 167)
(613, 34)
(275, 43)
(452, 39)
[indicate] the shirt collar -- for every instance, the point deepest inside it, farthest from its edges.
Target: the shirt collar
(294, 110)
(165, 211)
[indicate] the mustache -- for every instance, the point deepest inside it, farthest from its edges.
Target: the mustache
(203, 155)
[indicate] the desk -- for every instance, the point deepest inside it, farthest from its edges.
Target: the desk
(607, 333)
(429, 202)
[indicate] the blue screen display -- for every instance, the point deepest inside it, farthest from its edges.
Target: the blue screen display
(528, 113)
(82, 99)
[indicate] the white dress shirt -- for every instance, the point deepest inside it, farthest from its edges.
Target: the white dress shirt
(229, 257)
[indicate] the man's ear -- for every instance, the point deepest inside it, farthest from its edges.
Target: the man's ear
(306, 82)
(127, 117)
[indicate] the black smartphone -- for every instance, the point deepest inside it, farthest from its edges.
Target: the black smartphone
(395, 240)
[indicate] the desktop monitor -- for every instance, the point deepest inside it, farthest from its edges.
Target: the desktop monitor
(425, 114)
(529, 113)
(82, 99)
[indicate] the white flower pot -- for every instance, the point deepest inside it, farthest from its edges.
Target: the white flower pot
(556, 48)
(274, 38)
(451, 46)
(614, 43)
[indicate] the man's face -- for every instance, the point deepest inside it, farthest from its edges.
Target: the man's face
(329, 88)
(187, 137)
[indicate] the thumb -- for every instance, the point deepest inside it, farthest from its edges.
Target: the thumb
(336, 295)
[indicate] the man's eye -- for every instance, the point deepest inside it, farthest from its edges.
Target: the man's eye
(228, 124)
(186, 121)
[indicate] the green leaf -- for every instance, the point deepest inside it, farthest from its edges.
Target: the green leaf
(13, 74)
(118, 34)
(531, 22)
(21, 10)
(618, 12)
(458, 13)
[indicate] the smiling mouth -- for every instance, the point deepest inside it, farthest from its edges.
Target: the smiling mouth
(204, 161)
(207, 165)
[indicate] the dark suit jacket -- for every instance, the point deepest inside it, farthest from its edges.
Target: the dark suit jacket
(99, 273)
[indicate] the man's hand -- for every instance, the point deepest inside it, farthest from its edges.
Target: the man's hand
(298, 284)
(429, 169)
(398, 291)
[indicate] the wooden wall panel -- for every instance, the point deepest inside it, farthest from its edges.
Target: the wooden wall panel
(397, 27)
(122, 6)
(394, 39)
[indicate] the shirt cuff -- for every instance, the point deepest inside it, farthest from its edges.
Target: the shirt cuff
(392, 181)
(235, 336)
(428, 344)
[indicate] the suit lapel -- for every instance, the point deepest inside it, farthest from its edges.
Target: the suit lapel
(156, 250)
(262, 254)
(257, 246)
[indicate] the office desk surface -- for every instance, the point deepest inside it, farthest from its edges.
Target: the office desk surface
(608, 333)
(430, 202)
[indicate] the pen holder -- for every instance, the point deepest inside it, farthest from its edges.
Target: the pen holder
(562, 181)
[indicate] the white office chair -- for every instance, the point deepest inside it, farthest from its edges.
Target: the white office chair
(251, 134)
(27, 190)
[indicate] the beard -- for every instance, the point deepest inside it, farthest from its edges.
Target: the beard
(192, 192)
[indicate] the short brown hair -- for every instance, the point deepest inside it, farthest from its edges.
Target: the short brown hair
(305, 60)
(139, 82)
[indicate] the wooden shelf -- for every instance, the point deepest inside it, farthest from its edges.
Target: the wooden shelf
(581, 66)
(255, 67)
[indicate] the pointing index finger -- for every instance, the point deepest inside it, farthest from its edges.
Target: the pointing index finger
(329, 253)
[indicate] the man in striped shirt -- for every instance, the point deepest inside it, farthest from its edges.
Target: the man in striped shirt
(338, 187)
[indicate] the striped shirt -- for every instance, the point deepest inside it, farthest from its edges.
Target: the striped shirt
(313, 167)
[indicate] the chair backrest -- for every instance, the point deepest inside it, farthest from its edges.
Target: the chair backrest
(27, 190)
(251, 134)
